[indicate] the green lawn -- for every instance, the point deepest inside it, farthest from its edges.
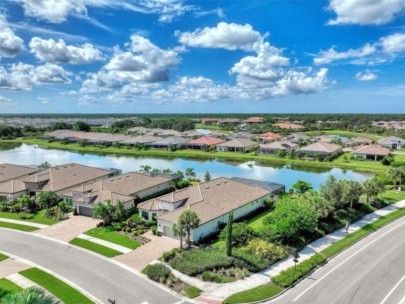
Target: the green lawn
(256, 223)
(7, 287)
(17, 226)
(356, 236)
(108, 234)
(259, 293)
(38, 218)
(60, 289)
(393, 196)
(3, 257)
(192, 292)
(108, 252)
(345, 133)
(360, 165)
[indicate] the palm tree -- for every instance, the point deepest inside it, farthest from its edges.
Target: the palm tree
(369, 189)
(352, 191)
(180, 174)
(207, 176)
(104, 211)
(155, 171)
(178, 230)
(145, 168)
(401, 174)
(188, 220)
(167, 171)
(26, 203)
(31, 295)
(190, 173)
(393, 174)
(64, 209)
(46, 200)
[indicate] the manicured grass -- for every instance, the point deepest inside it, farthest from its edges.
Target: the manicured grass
(360, 165)
(345, 133)
(392, 196)
(108, 234)
(17, 226)
(259, 293)
(38, 218)
(3, 257)
(7, 287)
(368, 166)
(192, 292)
(108, 252)
(356, 236)
(256, 223)
(60, 289)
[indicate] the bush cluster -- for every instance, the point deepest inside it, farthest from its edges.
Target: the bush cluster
(209, 276)
(293, 274)
(169, 255)
(158, 272)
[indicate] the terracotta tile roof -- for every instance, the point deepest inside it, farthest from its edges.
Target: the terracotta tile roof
(238, 143)
(205, 141)
(9, 171)
(209, 200)
(269, 135)
(372, 150)
(321, 147)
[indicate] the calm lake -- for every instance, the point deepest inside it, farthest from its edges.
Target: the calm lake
(33, 155)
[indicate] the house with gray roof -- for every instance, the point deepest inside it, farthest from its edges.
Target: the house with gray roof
(169, 143)
(277, 147)
(298, 137)
(392, 142)
(237, 145)
(371, 152)
(10, 171)
(212, 201)
(321, 149)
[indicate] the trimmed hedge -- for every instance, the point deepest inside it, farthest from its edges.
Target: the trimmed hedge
(158, 272)
(293, 274)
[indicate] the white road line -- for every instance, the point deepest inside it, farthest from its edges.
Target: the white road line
(344, 261)
(402, 301)
(392, 290)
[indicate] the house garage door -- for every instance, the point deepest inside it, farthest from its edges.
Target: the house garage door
(86, 211)
(167, 231)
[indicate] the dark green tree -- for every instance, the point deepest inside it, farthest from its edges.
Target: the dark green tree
(229, 235)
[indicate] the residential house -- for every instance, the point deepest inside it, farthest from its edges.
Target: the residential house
(169, 143)
(212, 201)
(361, 141)
(210, 121)
(288, 125)
(128, 188)
(268, 137)
(297, 138)
(277, 147)
(58, 179)
(253, 120)
(371, 152)
(392, 142)
(321, 149)
(229, 121)
(10, 171)
(274, 188)
(242, 135)
(237, 145)
(204, 142)
(141, 140)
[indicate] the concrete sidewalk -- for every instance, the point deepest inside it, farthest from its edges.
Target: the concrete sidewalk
(104, 243)
(214, 292)
(25, 223)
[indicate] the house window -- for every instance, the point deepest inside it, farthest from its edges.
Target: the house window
(145, 215)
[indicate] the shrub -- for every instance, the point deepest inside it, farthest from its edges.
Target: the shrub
(398, 163)
(26, 216)
(182, 184)
(154, 230)
(209, 276)
(168, 255)
(249, 261)
(266, 250)
(241, 233)
(366, 208)
(158, 272)
(192, 292)
(291, 275)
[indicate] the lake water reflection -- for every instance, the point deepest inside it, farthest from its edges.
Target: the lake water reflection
(33, 155)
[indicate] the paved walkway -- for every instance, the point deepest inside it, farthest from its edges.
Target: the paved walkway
(10, 266)
(104, 243)
(68, 229)
(218, 292)
(149, 252)
(25, 223)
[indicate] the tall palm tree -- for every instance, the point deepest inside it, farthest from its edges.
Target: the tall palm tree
(190, 173)
(167, 171)
(393, 174)
(104, 211)
(178, 230)
(31, 295)
(189, 220)
(47, 200)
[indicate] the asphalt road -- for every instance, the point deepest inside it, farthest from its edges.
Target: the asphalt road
(99, 277)
(370, 272)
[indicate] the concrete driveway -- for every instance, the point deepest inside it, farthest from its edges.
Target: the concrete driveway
(10, 266)
(149, 252)
(101, 277)
(68, 229)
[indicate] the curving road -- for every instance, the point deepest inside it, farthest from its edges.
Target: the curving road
(370, 272)
(99, 277)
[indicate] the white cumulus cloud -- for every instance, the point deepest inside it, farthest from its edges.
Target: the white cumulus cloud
(58, 52)
(7, 102)
(367, 75)
(365, 12)
(229, 36)
(10, 44)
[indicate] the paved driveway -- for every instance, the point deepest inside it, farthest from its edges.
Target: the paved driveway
(10, 266)
(69, 229)
(149, 252)
(100, 277)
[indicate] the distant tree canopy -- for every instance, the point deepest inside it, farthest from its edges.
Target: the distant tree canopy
(81, 126)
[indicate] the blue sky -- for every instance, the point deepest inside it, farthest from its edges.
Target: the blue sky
(141, 56)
